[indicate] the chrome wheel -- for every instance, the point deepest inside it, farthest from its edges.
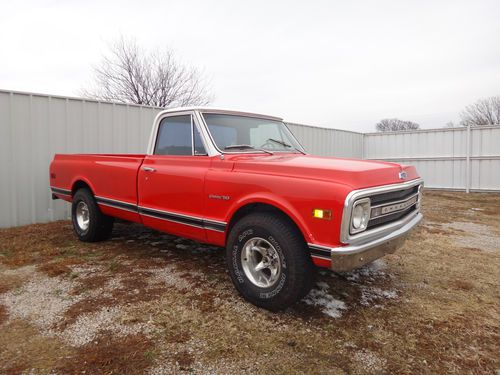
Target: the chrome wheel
(261, 262)
(82, 215)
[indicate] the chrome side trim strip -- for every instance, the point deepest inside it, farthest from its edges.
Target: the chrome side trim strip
(117, 207)
(60, 191)
(171, 220)
(116, 204)
(218, 226)
(192, 221)
(215, 221)
(169, 216)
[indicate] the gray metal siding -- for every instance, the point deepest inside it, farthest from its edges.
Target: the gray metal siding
(34, 127)
(440, 155)
(328, 142)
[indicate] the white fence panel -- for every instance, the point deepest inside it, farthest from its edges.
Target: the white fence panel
(442, 156)
(34, 127)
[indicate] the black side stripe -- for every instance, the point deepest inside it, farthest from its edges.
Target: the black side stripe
(117, 204)
(320, 252)
(169, 216)
(219, 227)
(60, 191)
(182, 219)
(172, 217)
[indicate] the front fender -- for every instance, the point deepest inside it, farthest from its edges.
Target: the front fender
(276, 201)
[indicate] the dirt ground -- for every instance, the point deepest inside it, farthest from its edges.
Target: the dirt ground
(147, 302)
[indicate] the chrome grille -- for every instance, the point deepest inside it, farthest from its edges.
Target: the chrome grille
(393, 196)
(392, 206)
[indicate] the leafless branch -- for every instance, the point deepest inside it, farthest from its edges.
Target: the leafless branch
(131, 75)
(394, 124)
(483, 112)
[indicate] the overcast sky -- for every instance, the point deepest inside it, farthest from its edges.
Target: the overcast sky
(340, 64)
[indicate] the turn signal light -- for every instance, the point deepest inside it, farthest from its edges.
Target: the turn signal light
(322, 214)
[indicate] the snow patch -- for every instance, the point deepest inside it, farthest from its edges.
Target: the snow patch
(370, 296)
(328, 304)
(370, 272)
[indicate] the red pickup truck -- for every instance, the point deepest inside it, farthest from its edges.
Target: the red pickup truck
(242, 181)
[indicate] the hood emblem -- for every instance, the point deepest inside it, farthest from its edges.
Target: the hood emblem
(402, 175)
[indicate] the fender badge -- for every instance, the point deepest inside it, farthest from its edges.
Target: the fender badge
(402, 175)
(222, 197)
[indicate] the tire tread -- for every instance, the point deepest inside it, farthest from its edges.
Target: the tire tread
(300, 279)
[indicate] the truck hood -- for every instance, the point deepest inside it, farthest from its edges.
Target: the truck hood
(356, 173)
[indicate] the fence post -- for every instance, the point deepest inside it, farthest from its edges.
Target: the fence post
(467, 161)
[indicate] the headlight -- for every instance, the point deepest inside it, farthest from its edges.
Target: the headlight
(360, 215)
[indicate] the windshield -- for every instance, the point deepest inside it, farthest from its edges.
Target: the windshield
(233, 133)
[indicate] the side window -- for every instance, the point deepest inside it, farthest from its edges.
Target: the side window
(199, 149)
(174, 136)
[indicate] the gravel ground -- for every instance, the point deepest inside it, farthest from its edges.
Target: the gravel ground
(147, 302)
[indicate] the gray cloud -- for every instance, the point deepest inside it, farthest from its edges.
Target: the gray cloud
(335, 64)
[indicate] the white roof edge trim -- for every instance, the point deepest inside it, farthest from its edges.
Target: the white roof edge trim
(220, 111)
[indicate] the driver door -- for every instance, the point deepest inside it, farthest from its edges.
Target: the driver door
(171, 180)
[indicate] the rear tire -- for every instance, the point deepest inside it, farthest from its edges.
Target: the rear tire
(268, 261)
(89, 223)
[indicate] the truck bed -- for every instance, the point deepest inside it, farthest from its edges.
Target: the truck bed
(112, 176)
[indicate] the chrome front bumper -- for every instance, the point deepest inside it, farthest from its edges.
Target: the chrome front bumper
(346, 258)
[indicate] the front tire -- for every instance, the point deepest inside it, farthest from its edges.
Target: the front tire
(268, 261)
(89, 223)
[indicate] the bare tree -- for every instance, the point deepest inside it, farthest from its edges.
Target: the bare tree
(449, 124)
(483, 112)
(128, 74)
(394, 124)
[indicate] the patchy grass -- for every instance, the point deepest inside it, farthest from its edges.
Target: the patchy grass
(3, 314)
(154, 302)
(85, 306)
(23, 347)
(10, 281)
(110, 355)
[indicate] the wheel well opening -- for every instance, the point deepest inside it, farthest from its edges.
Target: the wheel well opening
(79, 185)
(262, 208)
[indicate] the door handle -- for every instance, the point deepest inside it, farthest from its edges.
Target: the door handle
(148, 169)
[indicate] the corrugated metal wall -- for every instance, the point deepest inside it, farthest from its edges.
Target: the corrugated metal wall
(328, 142)
(34, 127)
(444, 157)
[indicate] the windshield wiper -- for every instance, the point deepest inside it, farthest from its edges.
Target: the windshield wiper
(248, 147)
(285, 144)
